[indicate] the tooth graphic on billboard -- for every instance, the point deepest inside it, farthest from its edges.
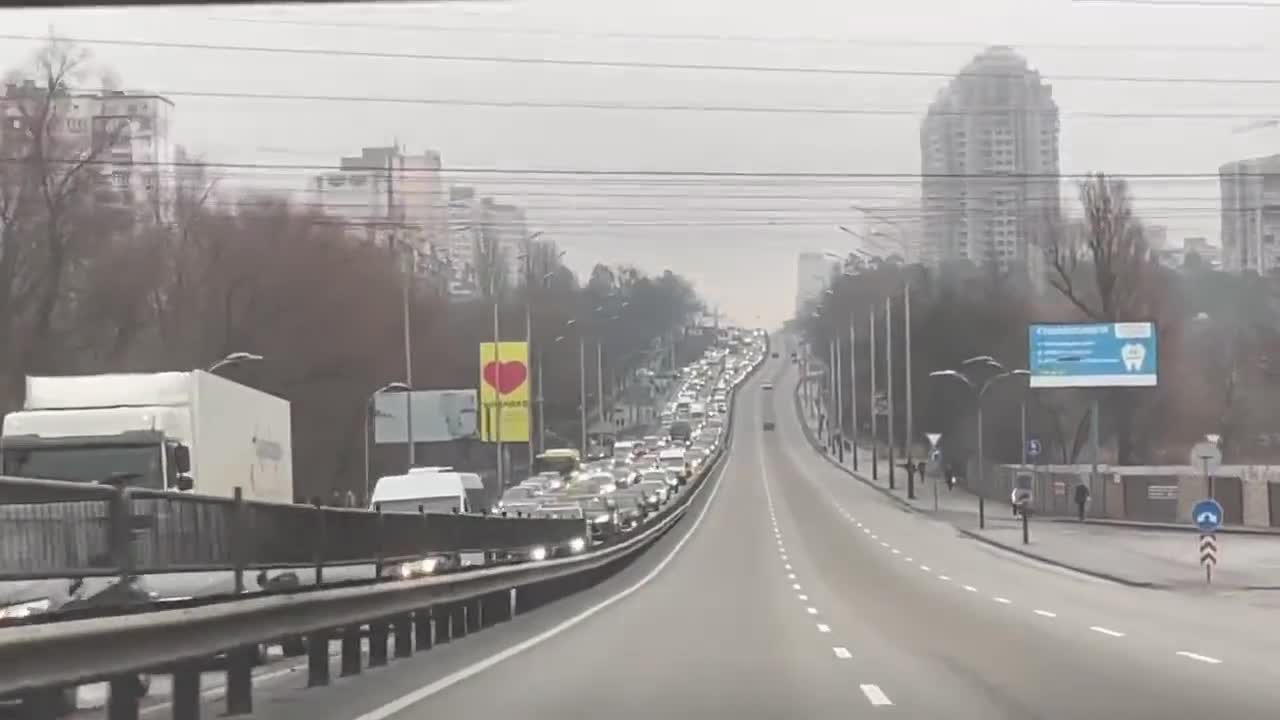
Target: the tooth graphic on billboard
(1133, 354)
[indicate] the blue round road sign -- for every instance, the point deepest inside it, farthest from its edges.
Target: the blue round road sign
(1207, 515)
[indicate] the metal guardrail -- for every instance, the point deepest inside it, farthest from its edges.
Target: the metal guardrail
(424, 612)
(54, 529)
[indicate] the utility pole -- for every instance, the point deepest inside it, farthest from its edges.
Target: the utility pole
(528, 338)
(853, 388)
(906, 318)
(600, 379)
(888, 368)
(838, 388)
(875, 431)
(497, 377)
(582, 389)
(406, 261)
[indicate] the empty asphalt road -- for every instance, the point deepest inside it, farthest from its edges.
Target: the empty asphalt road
(791, 590)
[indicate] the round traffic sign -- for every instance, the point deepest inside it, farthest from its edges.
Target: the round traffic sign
(1207, 515)
(1206, 457)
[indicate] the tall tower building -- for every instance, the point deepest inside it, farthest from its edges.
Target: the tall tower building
(989, 157)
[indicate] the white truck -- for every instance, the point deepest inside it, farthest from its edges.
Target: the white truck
(164, 431)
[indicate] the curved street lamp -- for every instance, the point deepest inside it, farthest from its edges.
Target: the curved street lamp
(368, 415)
(980, 391)
(235, 358)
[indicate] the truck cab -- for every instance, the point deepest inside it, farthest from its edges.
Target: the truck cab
(158, 431)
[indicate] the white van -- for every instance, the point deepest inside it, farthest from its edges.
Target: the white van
(426, 490)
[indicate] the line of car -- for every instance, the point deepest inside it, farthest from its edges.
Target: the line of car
(617, 492)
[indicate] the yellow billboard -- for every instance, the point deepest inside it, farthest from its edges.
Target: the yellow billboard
(504, 392)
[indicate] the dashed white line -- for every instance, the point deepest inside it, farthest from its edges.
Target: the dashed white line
(922, 567)
(859, 524)
(908, 559)
(791, 576)
(812, 610)
(1199, 657)
(784, 567)
(875, 695)
(875, 537)
(802, 597)
(842, 653)
(1003, 600)
(824, 628)
(884, 544)
(970, 588)
(895, 551)
(1046, 613)
(866, 530)
(1106, 631)
(795, 586)
(945, 578)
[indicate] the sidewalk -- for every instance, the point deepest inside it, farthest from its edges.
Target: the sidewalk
(1143, 556)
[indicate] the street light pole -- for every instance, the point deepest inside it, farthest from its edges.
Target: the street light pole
(582, 389)
(875, 431)
(888, 367)
(839, 395)
(853, 389)
(906, 317)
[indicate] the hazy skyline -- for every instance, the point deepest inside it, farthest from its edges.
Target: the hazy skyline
(739, 251)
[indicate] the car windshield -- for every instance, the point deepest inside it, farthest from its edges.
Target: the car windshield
(133, 465)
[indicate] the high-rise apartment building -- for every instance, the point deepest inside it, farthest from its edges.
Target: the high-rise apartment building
(989, 160)
(1250, 214)
(126, 135)
(388, 196)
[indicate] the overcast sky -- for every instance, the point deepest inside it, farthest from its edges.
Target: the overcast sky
(740, 252)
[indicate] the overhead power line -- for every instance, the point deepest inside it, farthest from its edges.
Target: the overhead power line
(679, 107)
(729, 37)
(647, 173)
(642, 64)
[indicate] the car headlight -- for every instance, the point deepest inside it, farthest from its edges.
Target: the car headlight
(426, 566)
(538, 554)
(577, 545)
(25, 609)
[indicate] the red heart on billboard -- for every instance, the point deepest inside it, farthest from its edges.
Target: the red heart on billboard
(511, 377)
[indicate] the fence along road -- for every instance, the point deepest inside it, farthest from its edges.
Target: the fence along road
(424, 611)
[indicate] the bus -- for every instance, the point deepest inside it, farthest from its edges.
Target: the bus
(565, 461)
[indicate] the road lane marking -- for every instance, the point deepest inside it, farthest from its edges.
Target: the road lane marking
(1199, 657)
(795, 586)
(922, 567)
(784, 567)
(791, 576)
(1106, 631)
(842, 653)
(1002, 600)
(895, 551)
(875, 695)
(875, 537)
(866, 530)
(812, 610)
(416, 696)
(970, 588)
(884, 544)
(1046, 613)
(824, 628)
(802, 597)
(944, 578)
(859, 524)
(908, 559)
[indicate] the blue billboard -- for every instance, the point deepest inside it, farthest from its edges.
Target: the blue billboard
(1092, 355)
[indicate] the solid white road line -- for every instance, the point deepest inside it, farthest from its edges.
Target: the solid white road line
(842, 653)
(875, 695)
(824, 628)
(1046, 613)
(812, 610)
(1105, 631)
(412, 698)
(1199, 657)
(970, 588)
(1003, 601)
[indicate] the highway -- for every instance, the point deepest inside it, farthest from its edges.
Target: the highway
(791, 590)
